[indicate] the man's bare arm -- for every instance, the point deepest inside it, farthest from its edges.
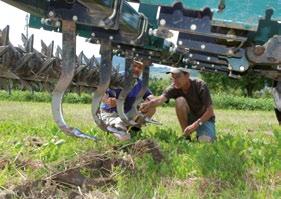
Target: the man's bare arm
(155, 101)
(206, 115)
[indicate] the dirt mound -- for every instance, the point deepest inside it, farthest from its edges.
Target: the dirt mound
(86, 172)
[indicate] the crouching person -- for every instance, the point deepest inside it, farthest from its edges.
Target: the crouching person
(193, 105)
(108, 107)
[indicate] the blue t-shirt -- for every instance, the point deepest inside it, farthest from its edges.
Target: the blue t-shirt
(130, 99)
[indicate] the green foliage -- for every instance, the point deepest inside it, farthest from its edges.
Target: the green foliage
(246, 86)
(26, 96)
(227, 101)
(158, 85)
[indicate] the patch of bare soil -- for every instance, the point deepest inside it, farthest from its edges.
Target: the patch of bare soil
(84, 174)
(142, 147)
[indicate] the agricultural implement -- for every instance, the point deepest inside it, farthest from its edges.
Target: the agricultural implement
(212, 35)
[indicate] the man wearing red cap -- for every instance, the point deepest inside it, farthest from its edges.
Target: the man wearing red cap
(193, 105)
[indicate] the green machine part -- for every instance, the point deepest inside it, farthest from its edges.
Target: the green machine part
(130, 22)
(150, 11)
(243, 14)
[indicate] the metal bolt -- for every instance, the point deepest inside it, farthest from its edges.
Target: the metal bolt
(213, 65)
(193, 27)
(154, 32)
(203, 46)
(180, 42)
(51, 14)
(190, 55)
(93, 34)
(111, 37)
(75, 18)
(43, 21)
(198, 63)
(259, 50)
(150, 31)
(162, 22)
(57, 23)
(208, 58)
(230, 51)
(171, 49)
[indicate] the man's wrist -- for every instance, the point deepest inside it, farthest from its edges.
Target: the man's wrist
(199, 122)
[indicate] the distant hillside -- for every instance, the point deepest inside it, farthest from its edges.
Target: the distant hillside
(156, 70)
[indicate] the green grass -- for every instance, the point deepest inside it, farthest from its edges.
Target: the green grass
(243, 163)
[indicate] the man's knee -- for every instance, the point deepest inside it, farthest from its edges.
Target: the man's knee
(204, 138)
(181, 102)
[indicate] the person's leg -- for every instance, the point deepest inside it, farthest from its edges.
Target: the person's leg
(206, 132)
(115, 125)
(182, 110)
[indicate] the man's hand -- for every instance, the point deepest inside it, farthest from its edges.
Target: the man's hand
(111, 101)
(145, 106)
(191, 128)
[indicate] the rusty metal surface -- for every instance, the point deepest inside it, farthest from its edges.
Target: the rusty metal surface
(29, 68)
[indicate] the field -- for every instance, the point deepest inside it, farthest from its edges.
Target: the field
(243, 163)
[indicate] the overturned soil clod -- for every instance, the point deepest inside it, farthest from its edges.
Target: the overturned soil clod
(84, 173)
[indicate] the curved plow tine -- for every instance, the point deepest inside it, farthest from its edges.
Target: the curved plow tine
(67, 72)
(128, 85)
(104, 80)
(276, 93)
